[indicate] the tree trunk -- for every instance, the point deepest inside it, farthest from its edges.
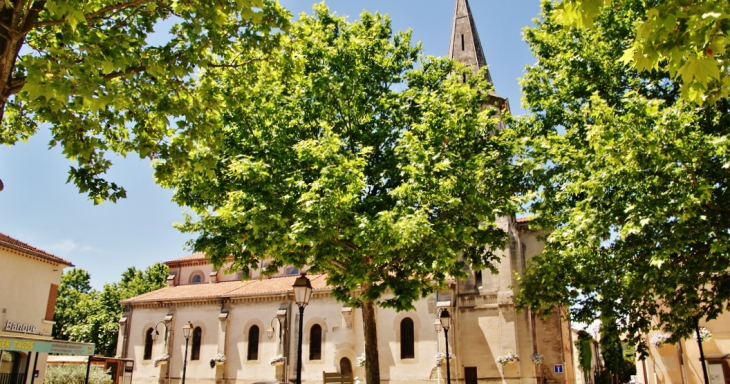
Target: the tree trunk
(372, 363)
(15, 26)
(702, 352)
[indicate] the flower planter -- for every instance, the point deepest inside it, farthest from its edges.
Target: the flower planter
(508, 358)
(220, 362)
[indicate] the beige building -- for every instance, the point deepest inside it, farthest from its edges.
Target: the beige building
(253, 322)
(680, 363)
(27, 300)
(586, 376)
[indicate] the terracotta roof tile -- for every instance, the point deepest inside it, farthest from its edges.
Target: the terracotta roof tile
(268, 286)
(522, 220)
(20, 246)
(193, 257)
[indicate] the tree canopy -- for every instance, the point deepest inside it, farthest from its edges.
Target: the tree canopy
(631, 177)
(121, 76)
(688, 39)
(351, 153)
(87, 315)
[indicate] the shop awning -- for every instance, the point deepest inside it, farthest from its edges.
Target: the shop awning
(25, 344)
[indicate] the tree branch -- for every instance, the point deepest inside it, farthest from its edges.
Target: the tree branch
(127, 71)
(90, 16)
(348, 244)
(716, 207)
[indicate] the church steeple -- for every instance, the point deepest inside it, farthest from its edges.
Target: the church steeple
(465, 46)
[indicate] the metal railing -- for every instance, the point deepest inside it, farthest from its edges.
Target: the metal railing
(12, 378)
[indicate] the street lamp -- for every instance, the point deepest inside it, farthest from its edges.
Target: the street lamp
(302, 292)
(157, 332)
(186, 333)
(445, 320)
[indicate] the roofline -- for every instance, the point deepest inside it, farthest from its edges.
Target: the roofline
(196, 298)
(39, 254)
(226, 294)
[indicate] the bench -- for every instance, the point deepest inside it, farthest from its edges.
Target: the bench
(335, 377)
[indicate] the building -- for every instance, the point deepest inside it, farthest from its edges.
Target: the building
(680, 363)
(596, 364)
(240, 328)
(251, 322)
(27, 300)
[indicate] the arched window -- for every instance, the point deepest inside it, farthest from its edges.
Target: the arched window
(196, 278)
(148, 344)
(406, 339)
(197, 336)
(315, 342)
(345, 366)
(253, 343)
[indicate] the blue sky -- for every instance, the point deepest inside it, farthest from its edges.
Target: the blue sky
(39, 208)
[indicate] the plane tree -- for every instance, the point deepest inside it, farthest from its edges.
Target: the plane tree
(352, 154)
(631, 177)
(118, 76)
(690, 40)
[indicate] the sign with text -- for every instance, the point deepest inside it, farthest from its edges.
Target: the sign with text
(10, 326)
(47, 346)
(558, 368)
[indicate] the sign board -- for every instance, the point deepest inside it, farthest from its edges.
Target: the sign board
(10, 326)
(46, 346)
(558, 368)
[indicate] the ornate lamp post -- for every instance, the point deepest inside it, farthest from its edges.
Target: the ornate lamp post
(445, 323)
(302, 292)
(157, 332)
(187, 328)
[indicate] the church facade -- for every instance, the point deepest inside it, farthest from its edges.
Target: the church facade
(244, 332)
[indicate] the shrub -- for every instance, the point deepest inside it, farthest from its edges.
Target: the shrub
(76, 374)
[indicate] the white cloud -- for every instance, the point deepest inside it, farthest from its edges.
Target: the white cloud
(66, 246)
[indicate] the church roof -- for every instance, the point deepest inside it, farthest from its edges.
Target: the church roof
(229, 289)
(19, 246)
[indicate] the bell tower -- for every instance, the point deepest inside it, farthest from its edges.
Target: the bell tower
(466, 48)
(487, 325)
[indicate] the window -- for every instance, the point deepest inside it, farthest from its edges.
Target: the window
(407, 350)
(462, 41)
(196, 279)
(478, 279)
(315, 342)
(253, 343)
(292, 271)
(197, 335)
(148, 344)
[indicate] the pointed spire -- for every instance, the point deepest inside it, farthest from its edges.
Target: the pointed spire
(465, 46)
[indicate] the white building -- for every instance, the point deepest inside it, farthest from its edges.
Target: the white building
(231, 317)
(28, 291)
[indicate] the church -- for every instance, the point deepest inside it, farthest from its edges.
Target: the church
(211, 327)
